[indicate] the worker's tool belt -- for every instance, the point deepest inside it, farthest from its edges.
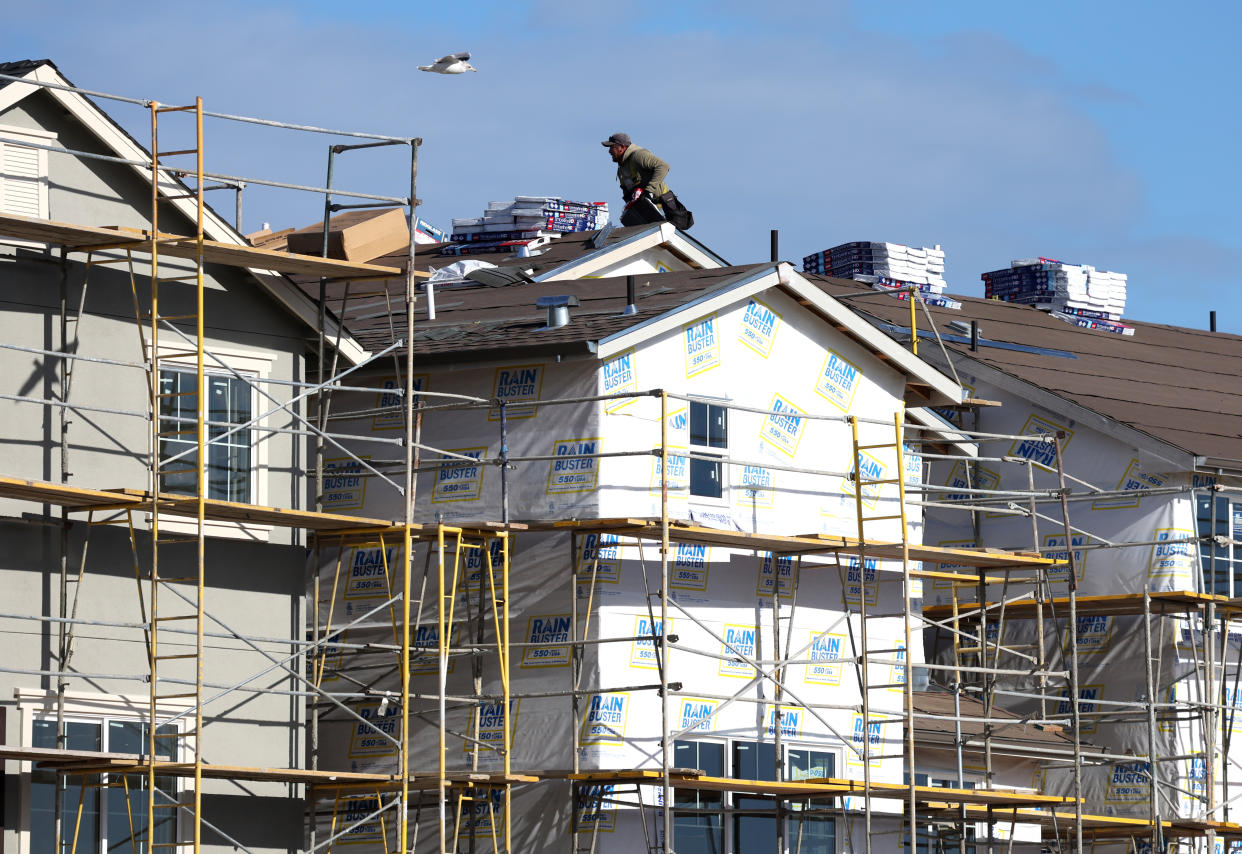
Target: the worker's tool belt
(675, 212)
(641, 211)
(644, 210)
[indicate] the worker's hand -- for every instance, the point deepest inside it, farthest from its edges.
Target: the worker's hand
(637, 191)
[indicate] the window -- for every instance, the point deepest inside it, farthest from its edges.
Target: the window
(229, 457)
(754, 819)
(698, 819)
(709, 431)
(23, 173)
(1222, 564)
(807, 764)
(812, 825)
(113, 806)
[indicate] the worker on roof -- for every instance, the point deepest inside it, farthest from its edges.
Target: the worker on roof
(641, 175)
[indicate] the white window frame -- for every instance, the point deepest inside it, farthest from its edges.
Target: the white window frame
(726, 804)
(837, 751)
(35, 704)
(728, 807)
(15, 136)
(254, 363)
(1227, 555)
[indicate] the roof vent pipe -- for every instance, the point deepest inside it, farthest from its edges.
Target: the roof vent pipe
(558, 309)
(1212, 321)
(776, 254)
(631, 295)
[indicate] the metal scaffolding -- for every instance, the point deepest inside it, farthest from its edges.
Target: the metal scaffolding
(991, 590)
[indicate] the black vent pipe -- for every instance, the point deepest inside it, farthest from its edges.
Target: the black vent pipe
(631, 295)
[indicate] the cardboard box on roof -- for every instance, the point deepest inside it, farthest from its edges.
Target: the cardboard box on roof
(355, 235)
(265, 238)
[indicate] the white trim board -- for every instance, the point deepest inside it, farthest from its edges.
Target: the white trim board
(782, 275)
(942, 430)
(257, 363)
(663, 235)
(606, 256)
(215, 228)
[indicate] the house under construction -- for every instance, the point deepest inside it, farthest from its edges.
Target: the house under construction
(621, 548)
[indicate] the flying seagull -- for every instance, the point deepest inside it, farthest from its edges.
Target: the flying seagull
(454, 63)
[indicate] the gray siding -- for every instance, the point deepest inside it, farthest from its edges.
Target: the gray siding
(254, 587)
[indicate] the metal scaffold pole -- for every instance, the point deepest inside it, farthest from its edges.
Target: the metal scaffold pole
(907, 594)
(665, 680)
(1075, 708)
(321, 401)
(411, 485)
(442, 630)
(155, 387)
(1153, 766)
(1211, 699)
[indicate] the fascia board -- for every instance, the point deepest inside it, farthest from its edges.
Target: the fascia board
(215, 228)
(305, 309)
(1180, 459)
(695, 252)
(107, 132)
(742, 286)
(1221, 465)
(943, 430)
(606, 256)
(899, 358)
(14, 92)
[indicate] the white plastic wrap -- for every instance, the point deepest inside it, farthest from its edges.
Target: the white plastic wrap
(1111, 648)
(763, 353)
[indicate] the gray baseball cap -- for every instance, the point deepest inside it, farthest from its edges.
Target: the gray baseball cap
(616, 139)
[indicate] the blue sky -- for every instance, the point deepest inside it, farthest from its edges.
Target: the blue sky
(1102, 133)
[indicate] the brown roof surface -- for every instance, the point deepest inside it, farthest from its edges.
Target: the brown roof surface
(1177, 385)
(558, 251)
(374, 310)
(935, 730)
(475, 320)
(369, 301)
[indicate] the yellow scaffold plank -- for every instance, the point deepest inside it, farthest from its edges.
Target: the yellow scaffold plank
(649, 529)
(1111, 605)
(825, 786)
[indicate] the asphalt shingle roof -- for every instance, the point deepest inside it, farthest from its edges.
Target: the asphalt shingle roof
(1175, 384)
(472, 320)
(21, 67)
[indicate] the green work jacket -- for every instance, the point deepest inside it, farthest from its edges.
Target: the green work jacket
(640, 168)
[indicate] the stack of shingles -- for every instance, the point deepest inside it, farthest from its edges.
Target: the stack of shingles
(1078, 294)
(523, 224)
(886, 266)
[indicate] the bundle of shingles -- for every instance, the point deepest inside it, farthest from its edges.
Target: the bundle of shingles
(523, 224)
(1077, 294)
(887, 267)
